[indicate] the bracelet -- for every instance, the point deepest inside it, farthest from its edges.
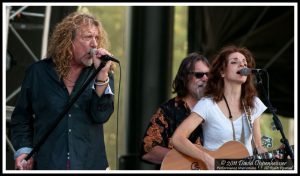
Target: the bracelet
(97, 83)
(98, 80)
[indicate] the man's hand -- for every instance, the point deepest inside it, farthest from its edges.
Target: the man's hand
(22, 164)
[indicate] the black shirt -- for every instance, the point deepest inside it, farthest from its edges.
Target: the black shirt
(79, 135)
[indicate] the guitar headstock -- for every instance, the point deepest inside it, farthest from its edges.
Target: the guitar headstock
(274, 154)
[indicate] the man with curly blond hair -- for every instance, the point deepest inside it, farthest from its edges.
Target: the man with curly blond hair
(77, 141)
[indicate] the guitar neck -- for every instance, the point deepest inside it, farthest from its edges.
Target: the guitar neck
(271, 154)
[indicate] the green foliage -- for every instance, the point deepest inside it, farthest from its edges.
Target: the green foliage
(266, 129)
(180, 38)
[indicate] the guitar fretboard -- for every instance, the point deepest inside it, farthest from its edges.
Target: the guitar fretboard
(279, 153)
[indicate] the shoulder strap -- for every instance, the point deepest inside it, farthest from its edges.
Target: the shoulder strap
(249, 122)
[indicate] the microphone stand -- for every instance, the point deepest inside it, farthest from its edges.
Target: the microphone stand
(65, 110)
(276, 120)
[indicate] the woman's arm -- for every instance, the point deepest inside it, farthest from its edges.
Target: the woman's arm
(182, 144)
(257, 136)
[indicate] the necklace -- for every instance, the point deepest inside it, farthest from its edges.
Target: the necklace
(230, 117)
(69, 83)
(67, 79)
(233, 130)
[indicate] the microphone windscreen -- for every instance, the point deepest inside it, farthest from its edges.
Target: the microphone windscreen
(245, 71)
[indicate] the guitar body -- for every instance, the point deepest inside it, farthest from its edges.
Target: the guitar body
(175, 160)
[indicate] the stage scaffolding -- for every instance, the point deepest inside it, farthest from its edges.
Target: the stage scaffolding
(13, 12)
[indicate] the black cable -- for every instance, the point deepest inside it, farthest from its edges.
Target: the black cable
(118, 104)
(268, 85)
(276, 120)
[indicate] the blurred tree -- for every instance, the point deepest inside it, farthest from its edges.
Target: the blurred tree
(180, 39)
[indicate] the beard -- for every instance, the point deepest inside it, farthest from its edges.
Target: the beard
(197, 92)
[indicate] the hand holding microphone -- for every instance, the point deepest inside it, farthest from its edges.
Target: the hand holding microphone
(100, 56)
(104, 55)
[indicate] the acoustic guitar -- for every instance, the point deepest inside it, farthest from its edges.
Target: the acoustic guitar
(175, 160)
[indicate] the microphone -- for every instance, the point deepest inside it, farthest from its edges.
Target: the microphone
(105, 58)
(247, 71)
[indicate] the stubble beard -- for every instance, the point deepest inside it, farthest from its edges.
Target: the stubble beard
(88, 62)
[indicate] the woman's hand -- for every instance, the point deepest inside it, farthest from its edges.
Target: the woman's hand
(261, 149)
(210, 162)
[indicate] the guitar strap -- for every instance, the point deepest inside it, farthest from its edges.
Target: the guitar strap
(249, 122)
(243, 133)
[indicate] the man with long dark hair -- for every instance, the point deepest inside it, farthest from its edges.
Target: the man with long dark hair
(189, 84)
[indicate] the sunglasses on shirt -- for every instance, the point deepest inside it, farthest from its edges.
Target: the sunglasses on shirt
(199, 75)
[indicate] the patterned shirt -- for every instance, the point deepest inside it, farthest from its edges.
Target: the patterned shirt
(163, 124)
